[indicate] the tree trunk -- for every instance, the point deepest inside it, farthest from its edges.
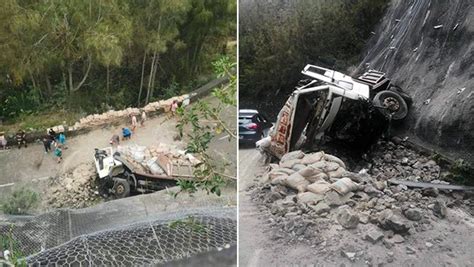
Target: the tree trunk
(150, 79)
(141, 79)
(35, 87)
(83, 78)
(107, 87)
(154, 76)
(49, 89)
(69, 72)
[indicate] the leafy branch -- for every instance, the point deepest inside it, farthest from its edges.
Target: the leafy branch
(8, 243)
(206, 122)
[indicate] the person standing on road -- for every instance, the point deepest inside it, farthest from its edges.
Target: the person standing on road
(174, 107)
(52, 134)
(3, 141)
(47, 144)
(134, 123)
(58, 152)
(62, 140)
(21, 138)
(143, 119)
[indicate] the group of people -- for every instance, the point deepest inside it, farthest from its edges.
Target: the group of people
(51, 139)
(20, 138)
(58, 141)
(126, 131)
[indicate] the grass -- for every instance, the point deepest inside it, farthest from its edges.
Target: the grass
(40, 121)
(462, 172)
(21, 201)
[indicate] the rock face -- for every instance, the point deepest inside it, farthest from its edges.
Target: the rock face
(433, 65)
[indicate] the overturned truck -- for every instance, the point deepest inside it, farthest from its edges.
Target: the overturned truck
(119, 176)
(333, 106)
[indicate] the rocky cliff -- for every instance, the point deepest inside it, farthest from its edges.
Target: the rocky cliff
(426, 47)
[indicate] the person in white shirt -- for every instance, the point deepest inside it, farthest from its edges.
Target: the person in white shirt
(142, 121)
(134, 123)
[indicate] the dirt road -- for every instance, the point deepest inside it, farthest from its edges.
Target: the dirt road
(22, 166)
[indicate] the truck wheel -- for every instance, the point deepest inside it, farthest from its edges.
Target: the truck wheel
(121, 188)
(392, 103)
(402, 93)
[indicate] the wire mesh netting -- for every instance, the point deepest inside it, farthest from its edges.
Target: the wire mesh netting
(33, 234)
(143, 244)
(173, 236)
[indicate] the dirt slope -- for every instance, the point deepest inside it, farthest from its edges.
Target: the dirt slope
(433, 64)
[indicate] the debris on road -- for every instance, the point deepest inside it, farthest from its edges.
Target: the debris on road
(311, 196)
(75, 189)
(80, 188)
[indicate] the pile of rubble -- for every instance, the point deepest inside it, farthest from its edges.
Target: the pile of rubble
(157, 160)
(392, 160)
(307, 194)
(75, 189)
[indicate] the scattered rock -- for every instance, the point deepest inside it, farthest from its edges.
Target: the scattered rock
(333, 199)
(390, 221)
(413, 214)
(320, 208)
(397, 239)
(373, 235)
(309, 198)
(439, 209)
(347, 218)
(350, 255)
(410, 250)
(430, 192)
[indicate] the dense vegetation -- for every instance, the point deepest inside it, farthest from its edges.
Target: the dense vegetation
(278, 38)
(82, 56)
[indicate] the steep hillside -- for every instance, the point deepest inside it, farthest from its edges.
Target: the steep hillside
(426, 46)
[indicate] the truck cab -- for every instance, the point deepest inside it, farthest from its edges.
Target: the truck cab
(312, 108)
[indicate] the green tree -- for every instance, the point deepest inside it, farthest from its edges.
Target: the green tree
(90, 55)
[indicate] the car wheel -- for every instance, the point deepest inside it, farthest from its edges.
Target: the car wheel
(121, 188)
(391, 103)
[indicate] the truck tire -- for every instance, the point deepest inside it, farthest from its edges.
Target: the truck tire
(391, 103)
(402, 93)
(121, 188)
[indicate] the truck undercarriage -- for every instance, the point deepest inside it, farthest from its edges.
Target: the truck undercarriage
(333, 106)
